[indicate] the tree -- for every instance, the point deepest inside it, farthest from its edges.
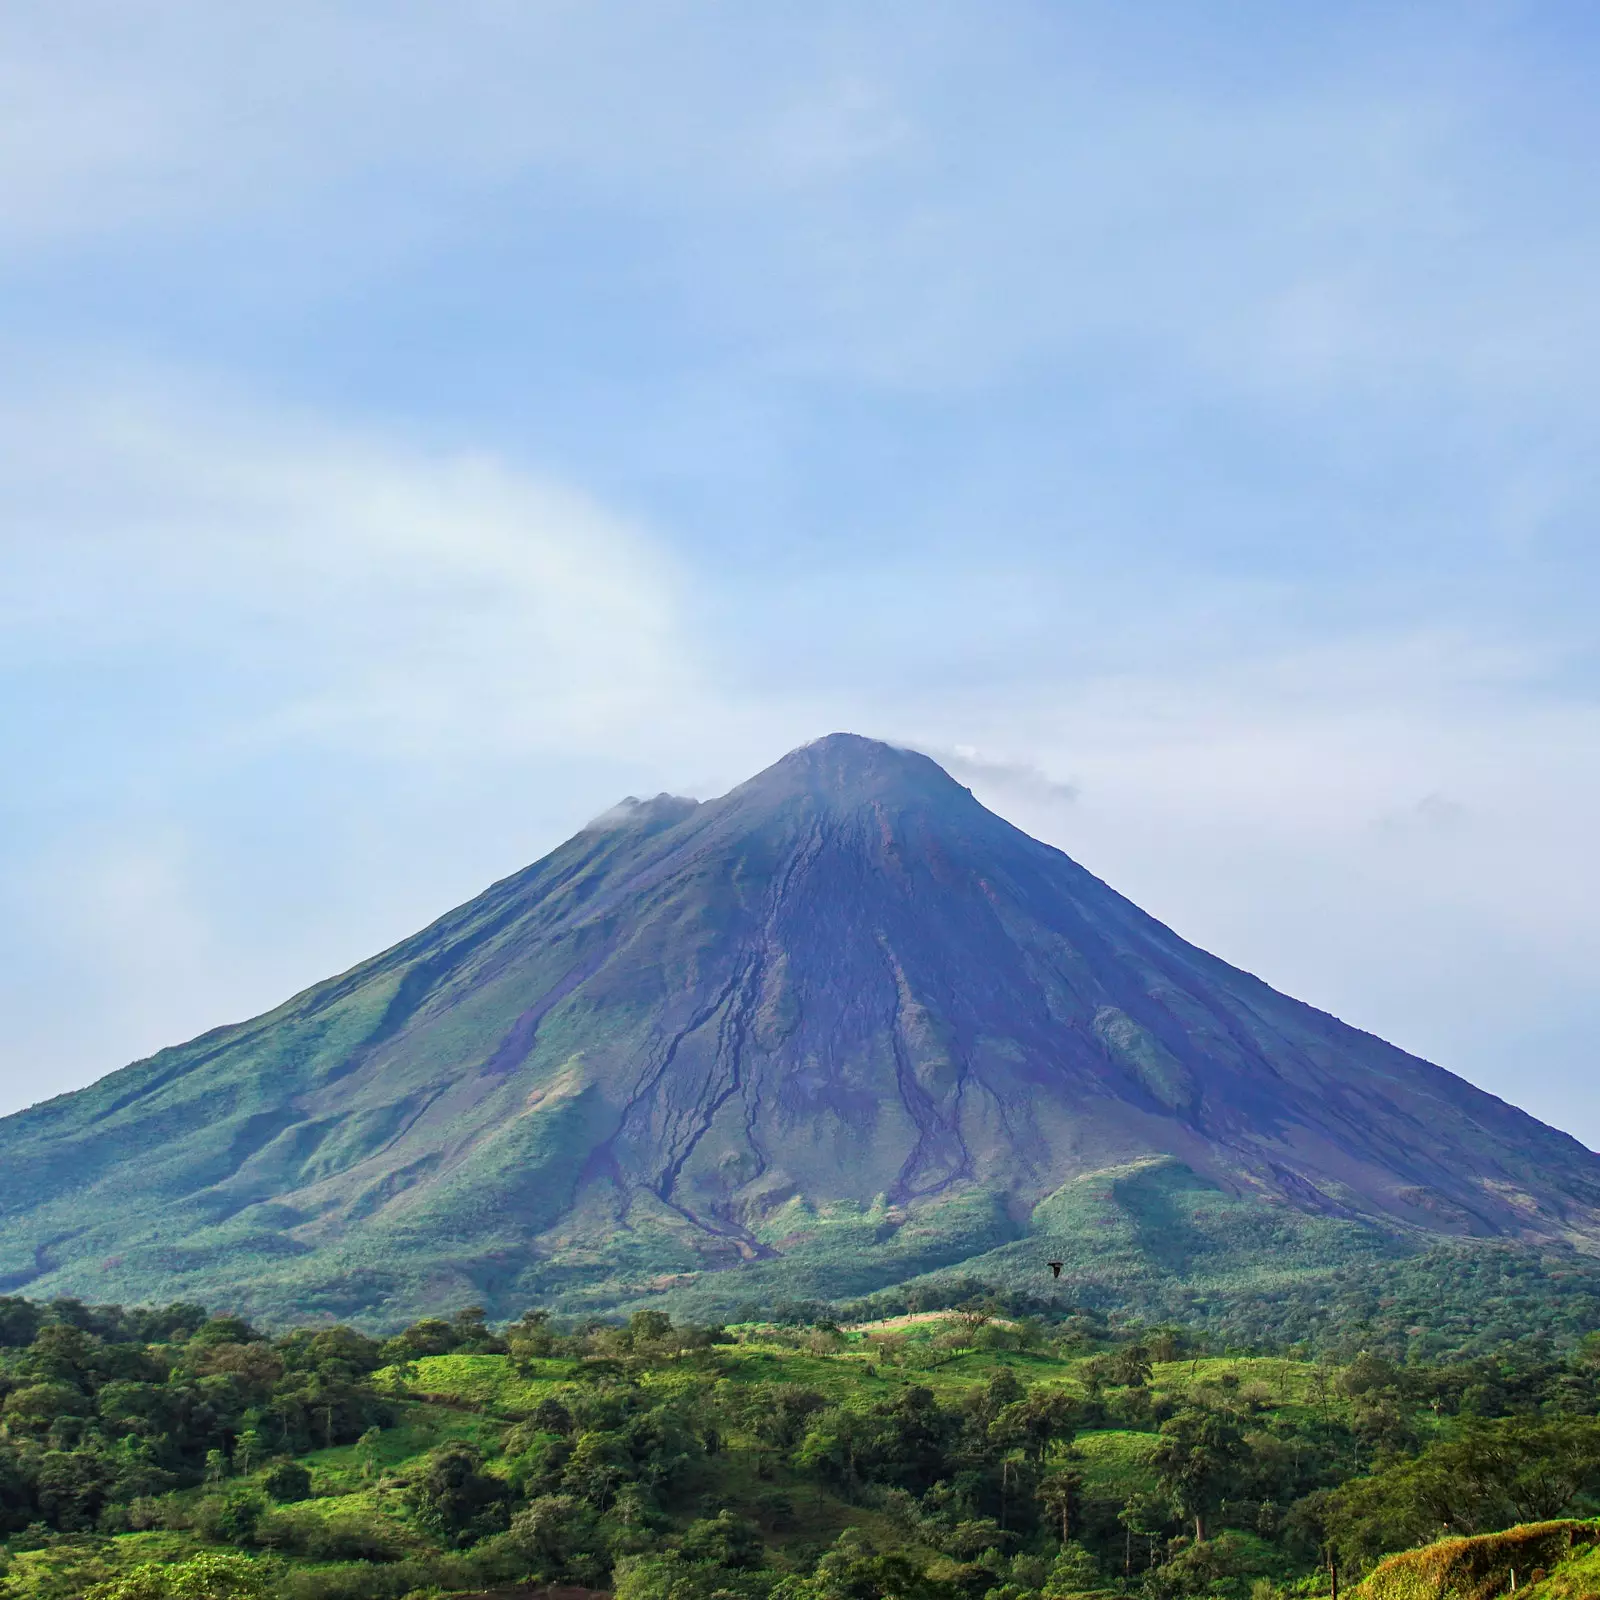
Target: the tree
(1491, 1475)
(550, 1416)
(287, 1481)
(1197, 1459)
(975, 1314)
(778, 1412)
(529, 1338)
(1073, 1572)
(230, 1518)
(649, 1327)
(854, 1570)
(1145, 1515)
(16, 1490)
(72, 1486)
(1003, 1389)
(1130, 1366)
(1060, 1494)
(560, 1538)
(917, 1435)
(249, 1450)
(20, 1321)
(727, 1540)
(431, 1336)
(34, 1408)
(598, 1465)
(1166, 1344)
(451, 1497)
(472, 1334)
(1041, 1418)
(971, 1537)
(667, 1575)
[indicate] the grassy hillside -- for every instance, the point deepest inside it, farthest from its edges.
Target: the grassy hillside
(1549, 1559)
(967, 1455)
(1154, 1241)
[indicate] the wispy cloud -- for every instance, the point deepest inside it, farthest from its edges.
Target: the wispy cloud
(359, 593)
(1006, 779)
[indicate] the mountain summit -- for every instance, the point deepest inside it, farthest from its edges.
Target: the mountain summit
(842, 1017)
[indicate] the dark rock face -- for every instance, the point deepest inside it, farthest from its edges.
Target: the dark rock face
(695, 1033)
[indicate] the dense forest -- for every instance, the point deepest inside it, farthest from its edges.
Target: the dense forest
(998, 1449)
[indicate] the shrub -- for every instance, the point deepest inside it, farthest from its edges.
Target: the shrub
(1476, 1569)
(204, 1577)
(345, 1536)
(287, 1481)
(1072, 1571)
(559, 1538)
(229, 1518)
(452, 1498)
(725, 1539)
(669, 1577)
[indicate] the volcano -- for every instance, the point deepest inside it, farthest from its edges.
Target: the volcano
(842, 1018)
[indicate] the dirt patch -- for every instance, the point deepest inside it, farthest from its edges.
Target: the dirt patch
(889, 1324)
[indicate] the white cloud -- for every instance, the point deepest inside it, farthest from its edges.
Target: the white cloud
(277, 692)
(1021, 780)
(363, 593)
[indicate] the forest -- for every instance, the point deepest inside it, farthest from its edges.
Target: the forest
(999, 1448)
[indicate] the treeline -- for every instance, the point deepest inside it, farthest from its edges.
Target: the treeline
(657, 1463)
(104, 1409)
(1451, 1301)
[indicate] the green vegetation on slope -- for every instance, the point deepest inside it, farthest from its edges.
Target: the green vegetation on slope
(1154, 1241)
(968, 1455)
(1489, 1565)
(838, 1031)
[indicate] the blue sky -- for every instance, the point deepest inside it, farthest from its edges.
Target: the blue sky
(420, 426)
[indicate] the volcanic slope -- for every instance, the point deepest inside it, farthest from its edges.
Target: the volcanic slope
(837, 1028)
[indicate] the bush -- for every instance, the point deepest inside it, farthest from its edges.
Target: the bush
(345, 1536)
(453, 1573)
(724, 1539)
(205, 1577)
(559, 1538)
(287, 1481)
(360, 1582)
(669, 1577)
(229, 1518)
(453, 1499)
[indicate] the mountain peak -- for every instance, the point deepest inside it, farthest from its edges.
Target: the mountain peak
(660, 810)
(849, 769)
(841, 1014)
